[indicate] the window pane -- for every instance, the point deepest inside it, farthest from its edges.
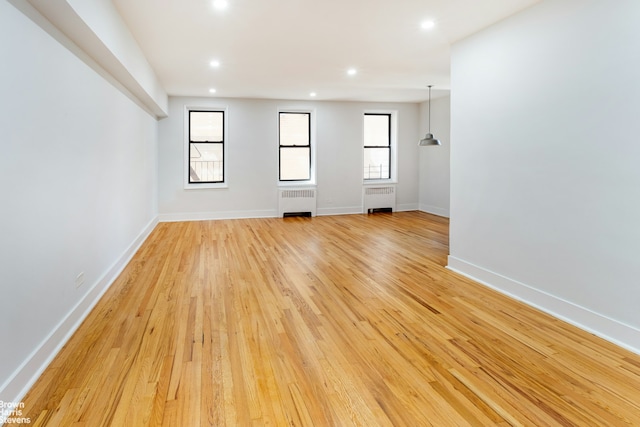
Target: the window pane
(294, 129)
(206, 126)
(376, 163)
(294, 163)
(206, 163)
(376, 130)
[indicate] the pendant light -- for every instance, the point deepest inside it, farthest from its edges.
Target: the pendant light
(429, 140)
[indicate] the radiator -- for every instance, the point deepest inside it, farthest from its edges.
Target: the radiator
(297, 201)
(383, 197)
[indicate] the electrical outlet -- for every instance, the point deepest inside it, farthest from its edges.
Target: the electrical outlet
(80, 280)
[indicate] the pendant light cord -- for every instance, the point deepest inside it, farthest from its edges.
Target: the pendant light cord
(429, 114)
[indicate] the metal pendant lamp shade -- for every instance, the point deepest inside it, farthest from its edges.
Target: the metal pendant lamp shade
(429, 140)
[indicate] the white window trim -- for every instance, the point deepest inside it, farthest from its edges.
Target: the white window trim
(185, 155)
(311, 182)
(394, 149)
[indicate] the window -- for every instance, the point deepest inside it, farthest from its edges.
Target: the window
(295, 146)
(377, 146)
(206, 147)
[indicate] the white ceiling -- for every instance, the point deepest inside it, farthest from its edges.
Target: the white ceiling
(285, 49)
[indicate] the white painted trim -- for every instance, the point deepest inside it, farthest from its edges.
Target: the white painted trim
(17, 386)
(435, 210)
(406, 207)
(312, 181)
(339, 211)
(393, 163)
(378, 182)
(292, 186)
(225, 153)
(609, 329)
(206, 216)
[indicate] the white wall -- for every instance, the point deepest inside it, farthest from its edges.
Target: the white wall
(545, 179)
(94, 31)
(434, 161)
(128, 63)
(78, 190)
(252, 171)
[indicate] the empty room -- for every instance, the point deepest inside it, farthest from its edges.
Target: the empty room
(320, 213)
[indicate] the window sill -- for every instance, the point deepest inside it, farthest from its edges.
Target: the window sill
(211, 186)
(379, 181)
(296, 184)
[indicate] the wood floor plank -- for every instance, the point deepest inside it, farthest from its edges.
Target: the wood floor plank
(327, 321)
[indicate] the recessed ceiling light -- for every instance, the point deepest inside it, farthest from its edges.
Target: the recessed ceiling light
(427, 25)
(352, 71)
(212, 90)
(312, 94)
(220, 4)
(215, 63)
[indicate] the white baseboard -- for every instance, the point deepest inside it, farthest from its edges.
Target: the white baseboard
(205, 216)
(359, 209)
(609, 329)
(17, 386)
(434, 210)
(406, 207)
(340, 211)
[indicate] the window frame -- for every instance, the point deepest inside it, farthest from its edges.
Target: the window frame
(392, 147)
(310, 147)
(188, 184)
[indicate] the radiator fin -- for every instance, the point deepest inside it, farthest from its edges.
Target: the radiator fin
(378, 190)
(296, 194)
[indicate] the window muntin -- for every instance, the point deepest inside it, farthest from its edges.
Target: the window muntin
(206, 147)
(377, 146)
(294, 146)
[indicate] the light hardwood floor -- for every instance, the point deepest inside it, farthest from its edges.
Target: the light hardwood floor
(326, 321)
